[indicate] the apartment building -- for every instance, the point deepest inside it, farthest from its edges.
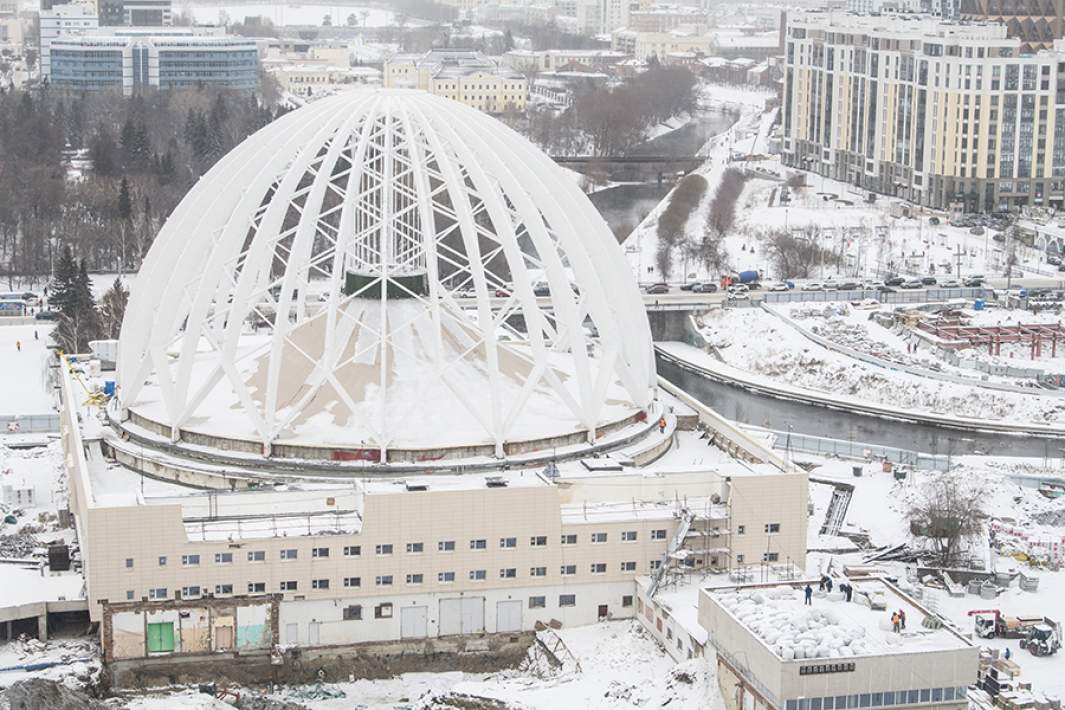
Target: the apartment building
(943, 114)
(559, 60)
(465, 76)
(644, 45)
(135, 13)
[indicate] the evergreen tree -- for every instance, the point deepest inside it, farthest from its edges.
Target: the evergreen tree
(124, 207)
(113, 309)
(61, 292)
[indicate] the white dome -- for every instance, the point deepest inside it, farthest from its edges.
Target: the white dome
(259, 316)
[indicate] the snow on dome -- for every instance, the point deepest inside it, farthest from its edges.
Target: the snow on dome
(385, 271)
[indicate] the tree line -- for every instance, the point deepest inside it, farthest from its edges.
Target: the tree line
(98, 173)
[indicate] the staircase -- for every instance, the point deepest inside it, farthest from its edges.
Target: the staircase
(675, 544)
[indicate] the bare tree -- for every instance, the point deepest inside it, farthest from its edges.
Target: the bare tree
(673, 221)
(947, 511)
(797, 256)
(722, 212)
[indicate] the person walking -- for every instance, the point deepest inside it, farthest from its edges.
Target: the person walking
(821, 583)
(35, 336)
(895, 621)
(902, 619)
(828, 585)
(809, 595)
(1007, 654)
(661, 425)
(18, 345)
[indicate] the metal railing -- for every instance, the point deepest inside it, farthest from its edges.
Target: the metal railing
(856, 450)
(903, 296)
(29, 424)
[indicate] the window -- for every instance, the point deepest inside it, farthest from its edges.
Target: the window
(319, 584)
(223, 558)
(569, 539)
(655, 564)
(383, 550)
(770, 556)
(223, 589)
(626, 600)
(415, 548)
(256, 587)
(568, 570)
(258, 556)
(157, 593)
(162, 560)
(537, 602)
(190, 592)
(384, 580)
(352, 582)
(628, 566)
(508, 573)
(320, 552)
(658, 534)
(741, 529)
(599, 568)
(129, 595)
(538, 540)
(481, 544)
(415, 578)
(478, 575)
(190, 560)
(289, 586)
(598, 538)
(508, 542)
(538, 572)
(383, 611)
(772, 527)
(446, 546)
(628, 536)
(289, 554)
(445, 577)
(352, 550)
(567, 600)
(129, 563)
(739, 559)
(353, 613)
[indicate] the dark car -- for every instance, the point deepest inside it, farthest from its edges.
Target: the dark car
(704, 287)
(689, 286)
(974, 282)
(849, 286)
(929, 280)
(933, 220)
(894, 281)
(46, 315)
(885, 289)
(657, 288)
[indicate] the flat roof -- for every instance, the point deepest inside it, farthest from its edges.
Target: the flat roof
(832, 627)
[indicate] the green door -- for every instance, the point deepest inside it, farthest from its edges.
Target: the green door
(161, 637)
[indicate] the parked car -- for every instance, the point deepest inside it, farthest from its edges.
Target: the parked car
(951, 283)
(656, 288)
(977, 230)
(704, 287)
(813, 286)
(913, 283)
(894, 281)
(46, 315)
(929, 280)
(777, 286)
(830, 285)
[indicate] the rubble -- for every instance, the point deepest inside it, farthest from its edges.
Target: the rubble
(41, 694)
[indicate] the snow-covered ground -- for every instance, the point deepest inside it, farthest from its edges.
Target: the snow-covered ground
(22, 357)
(770, 350)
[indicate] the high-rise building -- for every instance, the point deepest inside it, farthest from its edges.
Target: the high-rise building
(63, 20)
(941, 113)
(1037, 23)
(135, 13)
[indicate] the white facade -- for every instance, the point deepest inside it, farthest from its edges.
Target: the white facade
(63, 20)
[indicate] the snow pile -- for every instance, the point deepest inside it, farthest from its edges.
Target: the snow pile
(810, 633)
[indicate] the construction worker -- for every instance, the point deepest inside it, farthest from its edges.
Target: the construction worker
(809, 595)
(661, 425)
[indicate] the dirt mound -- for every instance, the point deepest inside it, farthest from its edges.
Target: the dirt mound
(41, 694)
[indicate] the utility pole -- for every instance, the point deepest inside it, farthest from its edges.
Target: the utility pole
(958, 251)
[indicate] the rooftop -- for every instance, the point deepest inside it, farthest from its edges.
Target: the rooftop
(832, 627)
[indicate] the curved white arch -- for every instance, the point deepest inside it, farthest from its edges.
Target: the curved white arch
(348, 231)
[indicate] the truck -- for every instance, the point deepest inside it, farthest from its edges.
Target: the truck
(1043, 639)
(991, 623)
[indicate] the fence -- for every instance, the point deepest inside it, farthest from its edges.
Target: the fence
(30, 424)
(791, 441)
(929, 295)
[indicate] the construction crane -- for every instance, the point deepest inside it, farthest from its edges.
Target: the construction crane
(97, 399)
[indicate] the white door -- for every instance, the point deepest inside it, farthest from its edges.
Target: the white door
(292, 634)
(464, 615)
(508, 615)
(413, 622)
(312, 633)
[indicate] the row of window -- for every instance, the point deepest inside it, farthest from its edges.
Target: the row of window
(387, 580)
(413, 548)
(875, 700)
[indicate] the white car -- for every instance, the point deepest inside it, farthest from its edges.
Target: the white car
(813, 286)
(778, 286)
(738, 294)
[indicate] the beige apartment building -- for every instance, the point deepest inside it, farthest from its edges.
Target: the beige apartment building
(944, 114)
(644, 45)
(462, 75)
